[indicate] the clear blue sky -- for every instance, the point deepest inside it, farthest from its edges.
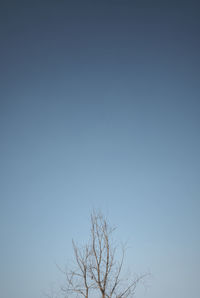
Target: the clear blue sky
(100, 105)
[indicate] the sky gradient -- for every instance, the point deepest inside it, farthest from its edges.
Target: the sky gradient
(99, 108)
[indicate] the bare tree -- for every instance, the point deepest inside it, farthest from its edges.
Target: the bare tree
(98, 272)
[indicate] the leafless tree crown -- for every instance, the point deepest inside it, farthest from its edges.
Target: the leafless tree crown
(98, 272)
